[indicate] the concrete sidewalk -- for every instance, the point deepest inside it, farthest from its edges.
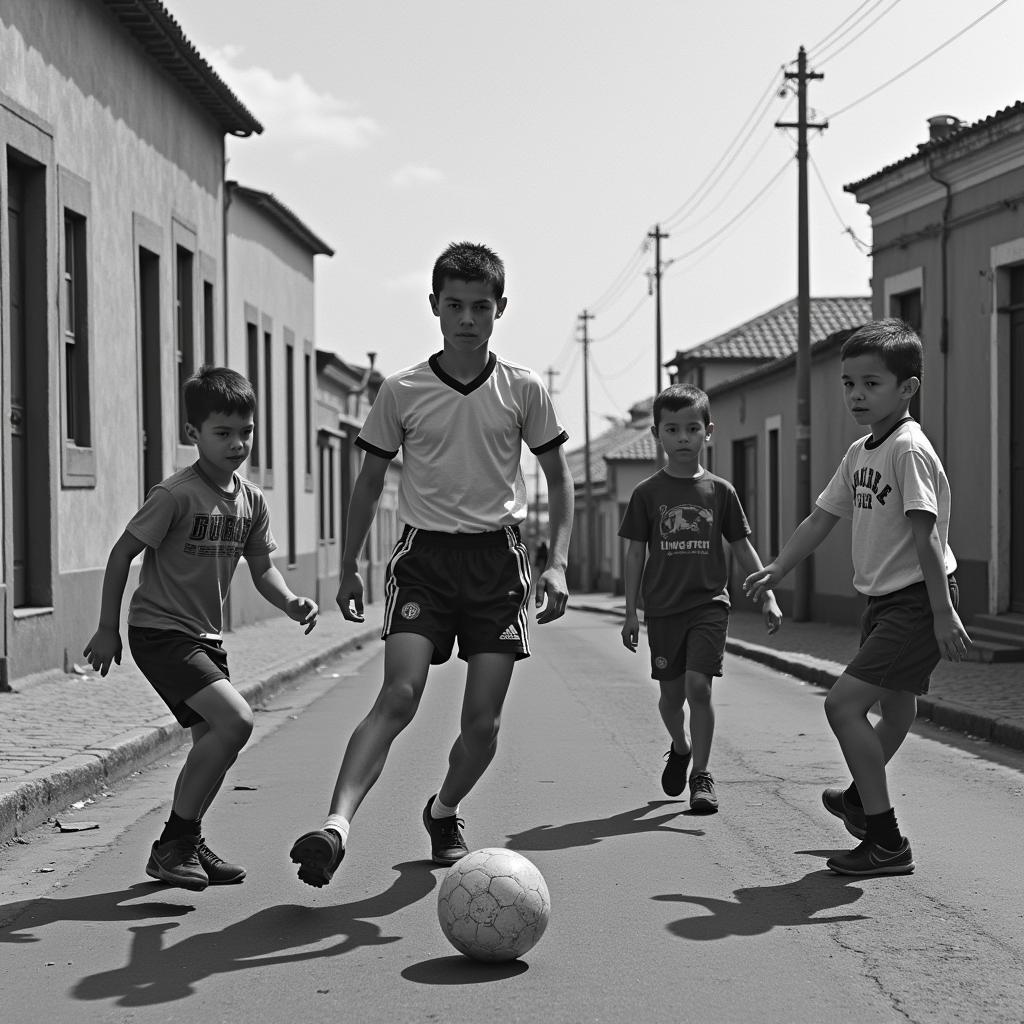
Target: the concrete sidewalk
(66, 736)
(974, 698)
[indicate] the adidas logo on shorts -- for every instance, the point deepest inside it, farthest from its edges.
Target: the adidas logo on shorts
(510, 634)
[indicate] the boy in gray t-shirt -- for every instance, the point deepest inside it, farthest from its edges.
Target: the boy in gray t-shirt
(193, 528)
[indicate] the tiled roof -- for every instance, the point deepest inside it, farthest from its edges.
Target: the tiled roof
(611, 439)
(284, 217)
(965, 134)
(773, 335)
(162, 39)
(638, 449)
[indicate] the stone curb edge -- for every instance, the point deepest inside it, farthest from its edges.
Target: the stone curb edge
(28, 801)
(950, 714)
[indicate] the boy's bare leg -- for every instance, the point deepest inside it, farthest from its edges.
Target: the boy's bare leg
(702, 717)
(866, 749)
(673, 712)
(487, 680)
(227, 721)
(406, 662)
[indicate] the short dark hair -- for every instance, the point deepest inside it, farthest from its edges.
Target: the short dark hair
(682, 396)
(217, 389)
(894, 341)
(469, 261)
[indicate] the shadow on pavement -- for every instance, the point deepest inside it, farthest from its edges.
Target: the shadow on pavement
(757, 909)
(158, 973)
(587, 833)
(460, 970)
(19, 921)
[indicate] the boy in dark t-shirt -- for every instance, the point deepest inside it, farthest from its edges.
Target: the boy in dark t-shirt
(675, 523)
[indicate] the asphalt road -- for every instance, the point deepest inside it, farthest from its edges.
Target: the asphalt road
(657, 915)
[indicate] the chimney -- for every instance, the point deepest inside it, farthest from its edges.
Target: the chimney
(942, 126)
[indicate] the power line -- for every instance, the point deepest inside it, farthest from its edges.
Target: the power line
(820, 59)
(623, 278)
(618, 327)
(847, 230)
(728, 224)
(917, 63)
(676, 217)
(828, 36)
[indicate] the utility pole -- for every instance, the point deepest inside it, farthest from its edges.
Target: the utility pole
(537, 538)
(588, 511)
(803, 575)
(657, 235)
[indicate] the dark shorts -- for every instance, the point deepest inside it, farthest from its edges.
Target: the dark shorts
(178, 666)
(690, 641)
(470, 587)
(898, 649)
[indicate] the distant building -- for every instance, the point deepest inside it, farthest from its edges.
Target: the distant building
(345, 393)
(111, 291)
(748, 376)
(271, 339)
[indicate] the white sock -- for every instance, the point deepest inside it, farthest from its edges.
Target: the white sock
(440, 810)
(340, 824)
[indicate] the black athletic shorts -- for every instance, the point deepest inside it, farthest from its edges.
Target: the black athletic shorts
(470, 587)
(178, 666)
(690, 641)
(898, 649)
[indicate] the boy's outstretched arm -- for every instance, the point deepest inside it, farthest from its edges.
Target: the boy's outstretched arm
(632, 572)
(806, 537)
(105, 645)
(950, 634)
(750, 563)
(271, 585)
(552, 591)
(362, 507)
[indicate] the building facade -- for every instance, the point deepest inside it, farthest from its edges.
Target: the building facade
(111, 275)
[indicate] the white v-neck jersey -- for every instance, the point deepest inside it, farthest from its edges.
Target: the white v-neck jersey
(461, 443)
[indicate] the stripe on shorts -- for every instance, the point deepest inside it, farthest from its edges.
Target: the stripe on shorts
(526, 579)
(403, 547)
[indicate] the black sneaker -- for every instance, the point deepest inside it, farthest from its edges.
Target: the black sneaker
(871, 859)
(447, 844)
(177, 863)
(218, 870)
(702, 793)
(852, 816)
(673, 778)
(318, 854)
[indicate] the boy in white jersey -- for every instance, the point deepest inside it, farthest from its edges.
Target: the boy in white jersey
(193, 527)
(892, 485)
(460, 570)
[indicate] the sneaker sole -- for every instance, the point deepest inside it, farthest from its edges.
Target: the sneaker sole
(855, 830)
(182, 881)
(233, 880)
(314, 857)
(704, 807)
(882, 869)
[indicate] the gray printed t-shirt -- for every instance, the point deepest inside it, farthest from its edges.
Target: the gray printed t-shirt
(194, 534)
(684, 521)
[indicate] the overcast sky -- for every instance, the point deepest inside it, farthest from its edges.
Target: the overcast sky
(561, 132)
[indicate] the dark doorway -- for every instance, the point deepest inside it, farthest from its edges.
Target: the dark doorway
(149, 345)
(1016, 311)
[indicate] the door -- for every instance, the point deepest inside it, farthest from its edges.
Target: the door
(1016, 310)
(21, 521)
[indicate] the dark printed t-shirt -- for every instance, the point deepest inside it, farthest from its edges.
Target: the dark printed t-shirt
(684, 522)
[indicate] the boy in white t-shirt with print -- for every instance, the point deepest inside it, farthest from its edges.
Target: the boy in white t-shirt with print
(892, 485)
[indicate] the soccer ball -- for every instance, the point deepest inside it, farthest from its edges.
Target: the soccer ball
(493, 905)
